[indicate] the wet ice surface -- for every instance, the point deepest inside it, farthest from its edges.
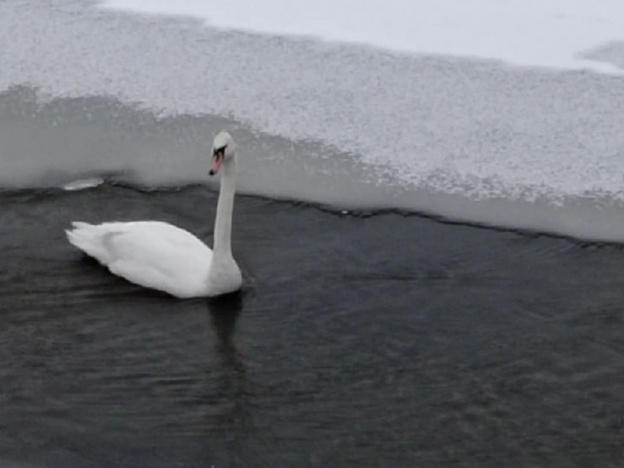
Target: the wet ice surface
(478, 141)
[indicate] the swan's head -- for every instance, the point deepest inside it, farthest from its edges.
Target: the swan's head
(222, 151)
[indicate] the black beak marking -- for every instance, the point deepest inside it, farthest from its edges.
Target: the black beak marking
(219, 151)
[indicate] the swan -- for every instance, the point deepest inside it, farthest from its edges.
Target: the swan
(161, 256)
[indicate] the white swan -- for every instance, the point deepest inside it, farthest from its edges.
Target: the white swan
(161, 256)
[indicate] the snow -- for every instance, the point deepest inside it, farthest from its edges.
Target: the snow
(542, 33)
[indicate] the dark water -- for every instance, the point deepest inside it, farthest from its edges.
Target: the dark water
(381, 340)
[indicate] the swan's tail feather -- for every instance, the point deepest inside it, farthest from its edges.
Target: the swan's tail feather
(80, 225)
(87, 238)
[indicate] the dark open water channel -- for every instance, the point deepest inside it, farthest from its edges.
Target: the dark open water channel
(384, 340)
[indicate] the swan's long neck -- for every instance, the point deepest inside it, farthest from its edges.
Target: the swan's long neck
(225, 208)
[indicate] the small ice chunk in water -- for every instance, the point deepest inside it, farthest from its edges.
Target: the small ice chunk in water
(83, 184)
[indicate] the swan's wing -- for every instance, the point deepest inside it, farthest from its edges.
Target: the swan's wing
(149, 253)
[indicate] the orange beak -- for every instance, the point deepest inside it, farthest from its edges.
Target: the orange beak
(217, 160)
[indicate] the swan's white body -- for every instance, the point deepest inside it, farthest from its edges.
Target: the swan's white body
(161, 256)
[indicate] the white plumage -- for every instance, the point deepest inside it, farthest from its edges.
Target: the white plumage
(161, 256)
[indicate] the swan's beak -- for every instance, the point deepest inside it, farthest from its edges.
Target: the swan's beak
(217, 160)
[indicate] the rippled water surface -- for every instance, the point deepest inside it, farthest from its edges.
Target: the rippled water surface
(359, 340)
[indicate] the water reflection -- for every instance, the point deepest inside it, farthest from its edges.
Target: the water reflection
(228, 428)
(224, 312)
